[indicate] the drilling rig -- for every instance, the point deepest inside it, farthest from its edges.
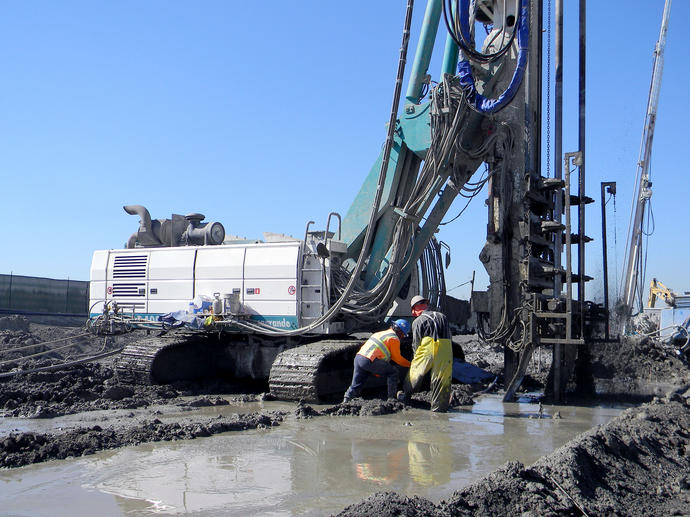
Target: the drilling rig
(284, 310)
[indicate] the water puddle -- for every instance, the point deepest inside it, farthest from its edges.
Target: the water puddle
(304, 467)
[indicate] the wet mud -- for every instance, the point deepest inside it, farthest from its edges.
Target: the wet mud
(489, 357)
(90, 387)
(21, 449)
(637, 464)
(461, 395)
(81, 388)
(637, 365)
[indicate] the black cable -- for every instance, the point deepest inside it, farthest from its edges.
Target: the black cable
(459, 214)
(425, 91)
(609, 199)
(459, 285)
(648, 233)
(466, 46)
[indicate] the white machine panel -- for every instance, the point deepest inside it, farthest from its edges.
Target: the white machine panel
(99, 263)
(154, 281)
(271, 280)
(219, 270)
(171, 279)
(272, 260)
(97, 292)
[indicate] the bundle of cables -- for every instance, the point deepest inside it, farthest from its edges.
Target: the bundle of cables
(459, 21)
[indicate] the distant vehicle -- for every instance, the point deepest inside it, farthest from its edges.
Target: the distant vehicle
(659, 290)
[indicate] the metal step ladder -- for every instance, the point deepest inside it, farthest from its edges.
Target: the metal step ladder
(312, 301)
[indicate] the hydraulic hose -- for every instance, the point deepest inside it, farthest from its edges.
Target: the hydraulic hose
(61, 366)
(476, 100)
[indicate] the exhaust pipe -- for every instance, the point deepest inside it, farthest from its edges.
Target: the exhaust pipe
(177, 231)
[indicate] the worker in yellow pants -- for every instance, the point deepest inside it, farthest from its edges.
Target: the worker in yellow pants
(433, 352)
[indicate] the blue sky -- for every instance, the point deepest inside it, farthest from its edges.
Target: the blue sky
(264, 115)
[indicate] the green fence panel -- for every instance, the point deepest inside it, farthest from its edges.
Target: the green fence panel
(45, 295)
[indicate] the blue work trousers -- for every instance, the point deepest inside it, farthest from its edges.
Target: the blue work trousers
(364, 368)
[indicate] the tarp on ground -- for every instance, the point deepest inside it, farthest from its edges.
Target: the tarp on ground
(468, 373)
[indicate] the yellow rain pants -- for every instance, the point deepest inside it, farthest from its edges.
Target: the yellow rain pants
(435, 355)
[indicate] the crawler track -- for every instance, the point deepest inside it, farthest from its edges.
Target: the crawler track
(162, 359)
(314, 372)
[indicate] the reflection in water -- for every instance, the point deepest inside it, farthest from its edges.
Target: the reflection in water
(430, 462)
(421, 461)
(312, 467)
(381, 467)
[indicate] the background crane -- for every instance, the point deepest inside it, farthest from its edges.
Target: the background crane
(641, 216)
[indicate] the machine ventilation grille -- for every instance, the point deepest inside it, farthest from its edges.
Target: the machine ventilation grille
(130, 290)
(130, 266)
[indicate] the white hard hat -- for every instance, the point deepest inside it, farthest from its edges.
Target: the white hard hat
(418, 299)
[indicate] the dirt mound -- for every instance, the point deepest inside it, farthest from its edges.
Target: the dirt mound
(25, 448)
(207, 402)
(637, 464)
(635, 362)
(21, 339)
(84, 387)
(16, 341)
(360, 407)
(14, 322)
(354, 407)
(390, 504)
(460, 395)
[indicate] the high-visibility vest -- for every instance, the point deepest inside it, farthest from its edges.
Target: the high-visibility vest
(375, 347)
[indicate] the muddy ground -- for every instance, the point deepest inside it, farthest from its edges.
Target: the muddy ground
(638, 461)
(83, 389)
(490, 358)
(637, 464)
(638, 360)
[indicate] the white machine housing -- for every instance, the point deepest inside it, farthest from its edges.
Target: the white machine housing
(282, 284)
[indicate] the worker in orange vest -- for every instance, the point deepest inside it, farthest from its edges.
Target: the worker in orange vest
(375, 357)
